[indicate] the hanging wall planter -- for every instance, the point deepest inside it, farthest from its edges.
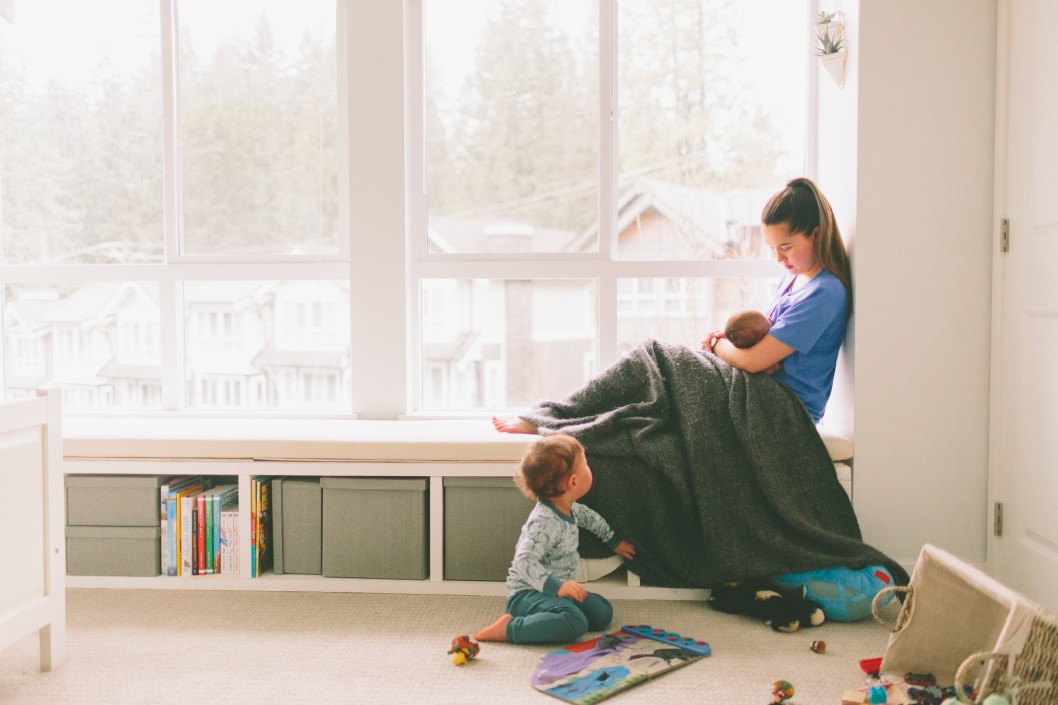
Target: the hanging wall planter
(832, 51)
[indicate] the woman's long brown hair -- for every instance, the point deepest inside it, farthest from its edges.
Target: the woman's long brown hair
(804, 209)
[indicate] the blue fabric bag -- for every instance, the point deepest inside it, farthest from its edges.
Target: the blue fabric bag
(845, 594)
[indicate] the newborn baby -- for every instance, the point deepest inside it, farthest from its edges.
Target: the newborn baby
(746, 328)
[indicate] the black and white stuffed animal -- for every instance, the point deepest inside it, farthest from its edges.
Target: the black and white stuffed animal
(756, 598)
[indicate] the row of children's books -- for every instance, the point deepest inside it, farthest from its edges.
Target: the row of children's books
(200, 526)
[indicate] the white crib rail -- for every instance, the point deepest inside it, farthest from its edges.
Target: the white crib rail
(32, 538)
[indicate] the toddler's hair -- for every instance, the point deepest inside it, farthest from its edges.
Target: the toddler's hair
(546, 464)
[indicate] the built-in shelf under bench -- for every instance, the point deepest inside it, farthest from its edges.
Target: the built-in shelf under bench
(442, 453)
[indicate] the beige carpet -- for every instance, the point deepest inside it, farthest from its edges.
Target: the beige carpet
(155, 647)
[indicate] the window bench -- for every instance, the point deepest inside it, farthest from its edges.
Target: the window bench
(432, 449)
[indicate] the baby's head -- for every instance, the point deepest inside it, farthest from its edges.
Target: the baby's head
(746, 328)
(546, 466)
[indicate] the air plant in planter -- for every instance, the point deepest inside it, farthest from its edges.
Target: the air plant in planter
(832, 50)
(830, 43)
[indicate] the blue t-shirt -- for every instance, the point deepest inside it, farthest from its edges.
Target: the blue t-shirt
(811, 320)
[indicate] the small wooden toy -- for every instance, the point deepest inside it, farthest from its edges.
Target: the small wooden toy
(853, 697)
(819, 646)
(463, 649)
(781, 691)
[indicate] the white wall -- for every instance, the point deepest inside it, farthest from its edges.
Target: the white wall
(906, 155)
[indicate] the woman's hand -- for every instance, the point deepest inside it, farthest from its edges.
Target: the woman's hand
(625, 550)
(710, 340)
(571, 588)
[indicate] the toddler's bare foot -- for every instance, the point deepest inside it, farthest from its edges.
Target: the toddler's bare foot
(497, 631)
(514, 425)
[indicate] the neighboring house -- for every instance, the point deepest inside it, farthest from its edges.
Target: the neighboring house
(657, 220)
(268, 345)
(74, 342)
(505, 343)
(306, 358)
(224, 331)
(134, 370)
(28, 339)
(248, 345)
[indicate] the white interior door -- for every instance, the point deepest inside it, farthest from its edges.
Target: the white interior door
(1026, 423)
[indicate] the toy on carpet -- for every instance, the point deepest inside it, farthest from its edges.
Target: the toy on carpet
(876, 694)
(755, 598)
(781, 691)
(819, 646)
(845, 594)
(463, 649)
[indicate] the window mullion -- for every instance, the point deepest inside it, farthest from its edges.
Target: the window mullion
(374, 38)
(170, 318)
(415, 240)
(606, 288)
(170, 132)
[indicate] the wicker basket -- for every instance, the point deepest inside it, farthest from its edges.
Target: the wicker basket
(964, 627)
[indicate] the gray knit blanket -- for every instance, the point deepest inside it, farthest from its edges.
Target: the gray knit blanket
(714, 474)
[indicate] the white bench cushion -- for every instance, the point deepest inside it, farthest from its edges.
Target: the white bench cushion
(309, 439)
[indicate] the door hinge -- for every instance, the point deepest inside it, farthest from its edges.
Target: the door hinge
(1004, 235)
(997, 519)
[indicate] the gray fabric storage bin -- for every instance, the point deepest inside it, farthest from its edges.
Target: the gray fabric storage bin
(374, 528)
(112, 500)
(297, 525)
(483, 517)
(113, 550)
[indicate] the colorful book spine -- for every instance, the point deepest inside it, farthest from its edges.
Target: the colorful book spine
(174, 509)
(200, 539)
(229, 546)
(171, 564)
(222, 496)
(253, 526)
(264, 527)
(170, 525)
(188, 502)
(163, 552)
(213, 534)
(225, 541)
(236, 544)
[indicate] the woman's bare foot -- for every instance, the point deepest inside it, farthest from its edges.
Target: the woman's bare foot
(497, 631)
(514, 425)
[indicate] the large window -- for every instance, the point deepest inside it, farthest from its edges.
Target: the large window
(630, 146)
(198, 208)
(169, 207)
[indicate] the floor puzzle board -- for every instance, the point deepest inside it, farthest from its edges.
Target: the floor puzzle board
(593, 670)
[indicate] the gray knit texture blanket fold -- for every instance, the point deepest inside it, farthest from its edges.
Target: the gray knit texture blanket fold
(714, 474)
